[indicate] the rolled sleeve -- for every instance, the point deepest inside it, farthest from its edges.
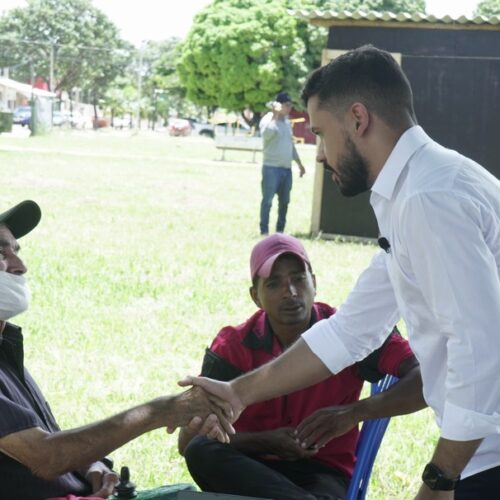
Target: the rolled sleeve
(461, 424)
(457, 275)
(361, 324)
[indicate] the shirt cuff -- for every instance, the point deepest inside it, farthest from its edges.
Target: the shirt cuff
(326, 345)
(461, 424)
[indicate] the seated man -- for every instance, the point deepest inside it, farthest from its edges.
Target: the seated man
(264, 459)
(37, 460)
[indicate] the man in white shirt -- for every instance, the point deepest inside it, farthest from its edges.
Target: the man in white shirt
(439, 217)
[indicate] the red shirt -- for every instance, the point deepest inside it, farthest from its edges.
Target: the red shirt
(243, 348)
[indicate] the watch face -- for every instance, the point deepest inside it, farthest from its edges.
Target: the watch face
(430, 476)
(434, 478)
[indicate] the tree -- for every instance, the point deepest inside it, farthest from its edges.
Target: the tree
(162, 83)
(121, 98)
(488, 8)
(240, 53)
(82, 43)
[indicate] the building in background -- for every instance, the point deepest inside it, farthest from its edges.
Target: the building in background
(454, 68)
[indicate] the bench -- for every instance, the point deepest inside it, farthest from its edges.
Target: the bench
(238, 143)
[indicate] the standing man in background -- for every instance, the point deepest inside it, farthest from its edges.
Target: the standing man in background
(278, 153)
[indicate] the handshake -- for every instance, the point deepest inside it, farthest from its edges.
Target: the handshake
(210, 407)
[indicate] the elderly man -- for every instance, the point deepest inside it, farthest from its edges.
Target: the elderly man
(37, 459)
(439, 215)
(278, 153)
(264, 459)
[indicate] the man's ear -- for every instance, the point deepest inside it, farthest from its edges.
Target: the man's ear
(255, 296)
(360, 118)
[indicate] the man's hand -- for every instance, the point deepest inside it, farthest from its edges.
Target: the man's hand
(325, 424)
(302, 170)
(222, 392)
(282, 443)
(203, 413)
(102, 480)
(425, 493)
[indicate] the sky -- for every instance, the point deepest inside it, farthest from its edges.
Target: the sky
(140, 20)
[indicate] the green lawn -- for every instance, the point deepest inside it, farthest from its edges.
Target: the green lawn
(140, 258)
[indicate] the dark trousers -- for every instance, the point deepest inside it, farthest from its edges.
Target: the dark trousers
(275, 180)
(220, 468)
(482, 486)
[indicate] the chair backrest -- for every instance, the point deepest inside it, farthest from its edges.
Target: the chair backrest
(369, 441)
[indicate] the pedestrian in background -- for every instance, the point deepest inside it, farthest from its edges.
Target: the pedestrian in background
(279, 151)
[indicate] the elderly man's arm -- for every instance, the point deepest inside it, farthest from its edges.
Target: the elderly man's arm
(48, 455)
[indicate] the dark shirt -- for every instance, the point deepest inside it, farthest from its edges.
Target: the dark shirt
(22, 406)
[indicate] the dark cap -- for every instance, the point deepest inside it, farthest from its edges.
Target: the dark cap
(22, 218)
(283, 97)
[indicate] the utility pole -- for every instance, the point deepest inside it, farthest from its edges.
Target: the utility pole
(51, 65)
(32, 73)
(139, 88)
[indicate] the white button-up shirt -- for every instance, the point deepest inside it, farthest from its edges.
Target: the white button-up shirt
(440, 213)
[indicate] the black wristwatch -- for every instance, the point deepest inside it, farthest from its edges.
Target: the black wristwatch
(435, 479)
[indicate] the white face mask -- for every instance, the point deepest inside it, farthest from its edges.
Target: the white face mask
(14, 295)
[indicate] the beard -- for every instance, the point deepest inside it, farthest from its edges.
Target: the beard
(351, 171)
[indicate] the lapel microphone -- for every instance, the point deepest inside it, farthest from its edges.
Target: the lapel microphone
(384, 244)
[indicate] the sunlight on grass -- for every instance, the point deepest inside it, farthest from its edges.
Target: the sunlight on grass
(141, 257)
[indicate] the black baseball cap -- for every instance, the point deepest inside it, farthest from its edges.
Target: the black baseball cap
(22, 218)
(283, 97)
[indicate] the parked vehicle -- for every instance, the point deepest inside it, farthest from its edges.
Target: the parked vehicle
(179, 127)
(201, 128)
(122, 121)
(22, 115)
(77, 120)
(223, 128)
(67, 118)
(59, 119)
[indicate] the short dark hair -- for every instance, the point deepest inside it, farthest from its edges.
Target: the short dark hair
(367, 75)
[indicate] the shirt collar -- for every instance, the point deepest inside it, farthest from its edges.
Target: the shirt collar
(408, 143)
(262, 336)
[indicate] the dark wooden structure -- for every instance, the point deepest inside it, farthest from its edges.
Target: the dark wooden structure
(454, 69)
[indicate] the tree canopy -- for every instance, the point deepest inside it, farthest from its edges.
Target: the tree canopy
(85, 46)
(162, 81)
(240, 53)
(488, 8)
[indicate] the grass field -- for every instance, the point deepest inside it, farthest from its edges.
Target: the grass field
(140, 258)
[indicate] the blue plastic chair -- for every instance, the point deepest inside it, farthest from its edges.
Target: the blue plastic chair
(369, 441)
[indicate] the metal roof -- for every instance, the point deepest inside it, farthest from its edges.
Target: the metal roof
(24, 88)
(361, 17)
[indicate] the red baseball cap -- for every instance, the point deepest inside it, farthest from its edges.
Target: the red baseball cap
(265, 253)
